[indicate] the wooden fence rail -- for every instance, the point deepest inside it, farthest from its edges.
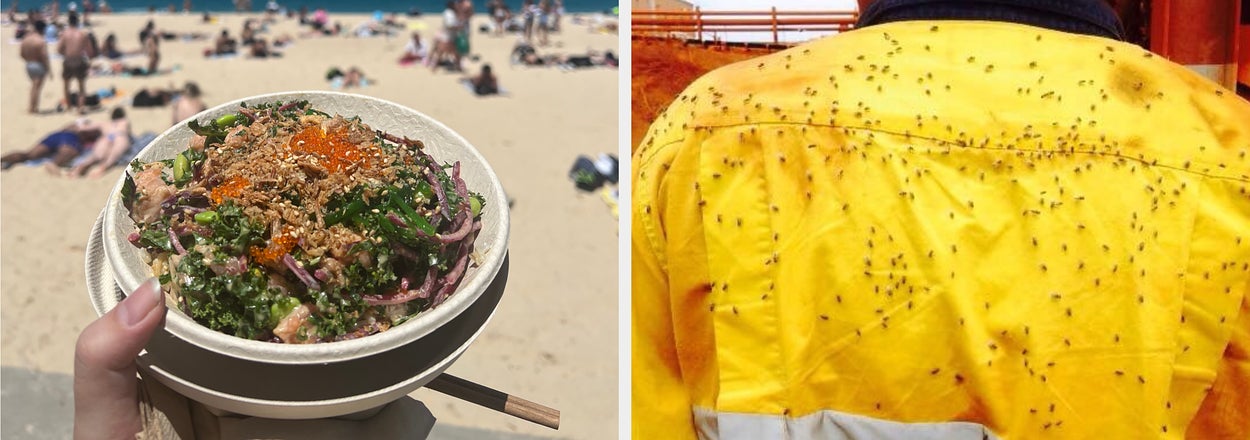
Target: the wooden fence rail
(698, 22)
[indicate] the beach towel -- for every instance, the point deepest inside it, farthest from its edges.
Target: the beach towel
(137, 144)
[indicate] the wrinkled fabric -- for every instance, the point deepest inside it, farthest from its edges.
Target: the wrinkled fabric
(1046, 234)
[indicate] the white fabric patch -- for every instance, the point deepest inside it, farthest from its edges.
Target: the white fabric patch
(827, 425)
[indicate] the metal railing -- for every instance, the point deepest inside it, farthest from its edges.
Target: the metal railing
(697, 24)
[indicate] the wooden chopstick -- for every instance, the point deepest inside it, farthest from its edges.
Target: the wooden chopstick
(499, 401)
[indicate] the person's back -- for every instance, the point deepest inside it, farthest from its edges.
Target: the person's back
(1036, 232)
(73, 43)
(34, 51)
(34, 48)
(451, 18)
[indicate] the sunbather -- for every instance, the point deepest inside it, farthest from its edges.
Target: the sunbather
(114, 142)
(62, 145)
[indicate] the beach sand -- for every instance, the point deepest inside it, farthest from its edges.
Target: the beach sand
(553, 339)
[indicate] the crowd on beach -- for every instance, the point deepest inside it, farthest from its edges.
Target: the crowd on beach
(85, 147)
(88, 148)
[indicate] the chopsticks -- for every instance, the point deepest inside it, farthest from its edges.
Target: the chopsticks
(499, 401)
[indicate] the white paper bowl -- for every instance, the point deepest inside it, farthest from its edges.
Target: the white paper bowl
(444, 145)
(295, 391)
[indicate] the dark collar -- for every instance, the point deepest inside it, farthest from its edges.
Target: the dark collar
(1089, 17)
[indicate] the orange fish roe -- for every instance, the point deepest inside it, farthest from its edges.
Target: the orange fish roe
(332, 149)
(232, 187)
(278, 246)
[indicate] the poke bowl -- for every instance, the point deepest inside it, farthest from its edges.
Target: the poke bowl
(184, 341)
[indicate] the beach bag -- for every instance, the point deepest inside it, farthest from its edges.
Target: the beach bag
(91, 100)
(584, 174)
(580, 62)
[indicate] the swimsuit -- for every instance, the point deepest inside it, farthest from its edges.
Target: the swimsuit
(75, 67)
(36, 70)
(63, 139)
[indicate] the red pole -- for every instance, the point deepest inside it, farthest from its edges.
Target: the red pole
(774, 25)
(698, 16)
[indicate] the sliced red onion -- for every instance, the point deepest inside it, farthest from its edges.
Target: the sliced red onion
(173, 240)
(402, 295)
(461, 231)
(438, 189)
(288, 106)
(461, 189)
(134, 237)
(402, 141)
(453, 277)
(300, 273)
(396, 220)
(321, 274)
(249, 113)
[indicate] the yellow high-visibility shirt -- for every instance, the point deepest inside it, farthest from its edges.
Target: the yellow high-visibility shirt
(1045, 234)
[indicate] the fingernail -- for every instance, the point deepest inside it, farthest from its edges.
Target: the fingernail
(139, 303)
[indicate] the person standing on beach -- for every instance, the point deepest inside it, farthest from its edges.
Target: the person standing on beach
(557, 11)
(464, 12)
(544, 21)
(76, 49)
(152, 48)
(531, 12)
(445, 44)
(35, 52)
(148, 28)
(499, 13)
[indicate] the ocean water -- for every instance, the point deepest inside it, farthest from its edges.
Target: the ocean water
(399, 6)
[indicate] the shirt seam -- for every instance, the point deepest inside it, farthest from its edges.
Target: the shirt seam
(971, 146)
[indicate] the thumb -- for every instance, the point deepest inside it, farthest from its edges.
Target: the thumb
(106, 398)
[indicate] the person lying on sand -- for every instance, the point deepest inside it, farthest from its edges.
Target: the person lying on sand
(224, 45)
(415, 51)
(260, 49)
(62, 145)
(114, 141)
(109, 49)
(188, 103)
(485, 83)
